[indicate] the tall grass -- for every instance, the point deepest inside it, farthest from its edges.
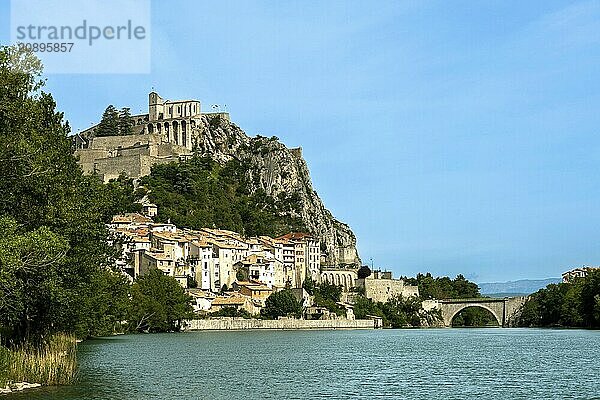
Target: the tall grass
(53, 362)
(4, 365)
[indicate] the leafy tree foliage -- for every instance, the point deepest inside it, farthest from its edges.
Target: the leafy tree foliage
(126, 122)
(309, 285)
(444, 288)
(201, 193)
(474, 316)
(575, 304)
(364, 306)
(402, 311)
(109, 124)
(397, 312)
(121, 195)
(54, 259)
(327, 295)
(158, 303)
(281, 304)
(115, 122)
(364, 272)
(29, 266)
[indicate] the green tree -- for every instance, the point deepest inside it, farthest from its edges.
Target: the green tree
(56, 250)
(474, 316)
(110, 124)
(282, 304)
(328, 295)
(364, 306)
(576, 304)
(364, 272)
(121, 195)
(590, 299)
(571, 305)
(158, 303)
(309, 285)
(29, 276)
(550, 300)
(596, 310)
(530, 314)
(401, 312)
(126, 122)
(443, 287)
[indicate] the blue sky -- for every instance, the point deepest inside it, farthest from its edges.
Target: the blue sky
(453, 137)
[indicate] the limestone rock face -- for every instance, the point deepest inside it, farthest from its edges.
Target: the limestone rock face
(276, 169)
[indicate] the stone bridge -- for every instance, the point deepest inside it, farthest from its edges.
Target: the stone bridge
(505, 310)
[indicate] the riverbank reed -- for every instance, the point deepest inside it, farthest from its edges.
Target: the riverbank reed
(52, 362)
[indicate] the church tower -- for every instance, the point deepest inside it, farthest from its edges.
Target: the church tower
(155, 107)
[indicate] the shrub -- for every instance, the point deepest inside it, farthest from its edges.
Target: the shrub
(282, 304)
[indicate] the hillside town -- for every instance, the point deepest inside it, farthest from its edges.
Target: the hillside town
(221, 268)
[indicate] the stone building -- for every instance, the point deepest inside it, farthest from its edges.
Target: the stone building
(344, 277)
(580, 272)
(168, 132)
(302, 252)
(380, 287)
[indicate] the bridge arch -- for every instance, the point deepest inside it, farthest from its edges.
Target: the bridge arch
(506, 310)
(448, 319)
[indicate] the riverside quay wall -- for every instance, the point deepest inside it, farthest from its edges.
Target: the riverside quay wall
(226, 323)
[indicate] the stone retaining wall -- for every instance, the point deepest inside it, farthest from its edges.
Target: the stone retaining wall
(240, 324)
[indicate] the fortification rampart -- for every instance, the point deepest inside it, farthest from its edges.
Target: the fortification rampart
(381, 287)
(114, 142)
(281, 324)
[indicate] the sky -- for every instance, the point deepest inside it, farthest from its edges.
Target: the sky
(453, 137)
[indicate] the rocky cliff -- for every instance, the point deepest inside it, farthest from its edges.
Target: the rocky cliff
(277, 170)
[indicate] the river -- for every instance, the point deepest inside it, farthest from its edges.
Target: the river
(402, 364)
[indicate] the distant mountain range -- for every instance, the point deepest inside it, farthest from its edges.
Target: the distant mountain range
(513, 288)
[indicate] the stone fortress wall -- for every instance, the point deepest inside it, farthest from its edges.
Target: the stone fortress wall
(344, 277)
(380, 287)
(167, 133)
(242, 324)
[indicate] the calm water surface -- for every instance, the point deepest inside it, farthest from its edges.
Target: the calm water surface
(403, 364)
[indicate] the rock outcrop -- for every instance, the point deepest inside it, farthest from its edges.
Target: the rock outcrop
(277, 169)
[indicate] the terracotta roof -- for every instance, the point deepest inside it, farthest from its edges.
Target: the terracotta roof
(170, 236)
(201, 243)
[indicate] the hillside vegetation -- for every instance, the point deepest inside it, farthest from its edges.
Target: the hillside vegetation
(201, 193)
(573, 304)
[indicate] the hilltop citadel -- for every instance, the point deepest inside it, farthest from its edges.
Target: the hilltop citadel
(168, 132)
